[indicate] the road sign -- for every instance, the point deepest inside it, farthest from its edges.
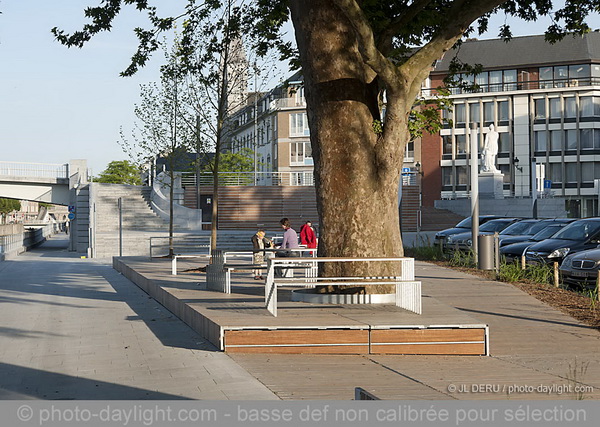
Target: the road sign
(71, 216)
(71, 208)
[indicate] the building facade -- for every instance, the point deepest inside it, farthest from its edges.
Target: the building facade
(275, 126)
(544, 101)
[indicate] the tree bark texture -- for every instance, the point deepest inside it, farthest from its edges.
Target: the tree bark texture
(357, 169)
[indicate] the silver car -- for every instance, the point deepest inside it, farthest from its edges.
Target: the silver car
(581, 268)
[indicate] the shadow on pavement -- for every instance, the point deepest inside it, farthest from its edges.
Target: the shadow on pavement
(17, 382)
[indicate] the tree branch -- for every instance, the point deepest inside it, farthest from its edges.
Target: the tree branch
(459, 17)
(394, 27)
(366, 43)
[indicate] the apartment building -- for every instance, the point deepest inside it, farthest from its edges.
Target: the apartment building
(274, 126)
(544, 100)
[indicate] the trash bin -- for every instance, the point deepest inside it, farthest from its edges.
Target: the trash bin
(485, 257)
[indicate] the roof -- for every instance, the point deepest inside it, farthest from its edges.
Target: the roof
(525, 52)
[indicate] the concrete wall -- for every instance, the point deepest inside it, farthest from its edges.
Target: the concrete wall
(547, 208)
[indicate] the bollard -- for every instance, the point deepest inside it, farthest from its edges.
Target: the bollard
(486, 258)
(523, 262)
(555, 274)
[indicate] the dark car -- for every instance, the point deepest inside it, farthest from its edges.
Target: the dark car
(517, 229)
(581, 268)
(463, 241)
(514, 251)
(461, 227)
(535, 226)
(575, 237)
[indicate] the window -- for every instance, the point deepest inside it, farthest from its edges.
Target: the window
(474, 113)
(570, 107)
(447, 144)
(571, 172)
(502, 111)
(447, 175)
(495, 81)
(300, 153)
(510, 79)
(556, 172)
(587, 172)
(488, 112)
(504, 142)
(579, 75)
(540, 108)
(461, 175)
(540, 140)
(587, 141)
(571, 139)
(459, 113)
(545, 77)
(410, 150)
(561, 75)
(586, 106)
(461, 144)
(482, 81)
(299, 124)
(555, 110)
(555, 140)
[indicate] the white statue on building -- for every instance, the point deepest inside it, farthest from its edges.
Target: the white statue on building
(490, 151)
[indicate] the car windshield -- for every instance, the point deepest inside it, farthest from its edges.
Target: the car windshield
(518, 228)
(547, 232)
(542, 225)
(465, 223)
(495, 225)
(579, 231)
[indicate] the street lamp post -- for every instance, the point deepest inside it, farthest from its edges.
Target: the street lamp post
(474, 189)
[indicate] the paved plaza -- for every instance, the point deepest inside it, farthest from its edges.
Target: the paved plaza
(74, 328)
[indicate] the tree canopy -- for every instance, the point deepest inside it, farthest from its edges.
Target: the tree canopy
(120, 172)
(9, 205)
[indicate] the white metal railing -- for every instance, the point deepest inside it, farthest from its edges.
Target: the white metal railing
(34, 170)
(188, 179)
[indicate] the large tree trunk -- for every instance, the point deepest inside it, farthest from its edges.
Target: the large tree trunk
(357, 172)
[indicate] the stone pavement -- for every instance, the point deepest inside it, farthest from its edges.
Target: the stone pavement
(537, 352)
(74, 328)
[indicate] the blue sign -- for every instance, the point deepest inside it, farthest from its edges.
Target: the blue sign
(405, 170)
(71, 216)
(71, 208)
(547, 183)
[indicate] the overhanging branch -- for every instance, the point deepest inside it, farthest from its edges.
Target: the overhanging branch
(366, 43)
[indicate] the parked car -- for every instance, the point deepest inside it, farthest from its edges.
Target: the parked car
(514, 251)
(518, 229)
(534, 228)
(461, 227)
(463, 241)
(581, 268)
(576, 237)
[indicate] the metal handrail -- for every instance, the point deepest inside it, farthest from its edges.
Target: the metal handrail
(302, 178)
(37, 170)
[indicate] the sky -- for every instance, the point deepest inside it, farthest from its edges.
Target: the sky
(58, 104)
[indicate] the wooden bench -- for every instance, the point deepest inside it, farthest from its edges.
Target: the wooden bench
(407, 295)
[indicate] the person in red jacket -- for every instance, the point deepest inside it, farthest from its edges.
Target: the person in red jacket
(308, 236)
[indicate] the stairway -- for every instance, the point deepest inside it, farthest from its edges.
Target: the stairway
(139, 221)
(433, 219)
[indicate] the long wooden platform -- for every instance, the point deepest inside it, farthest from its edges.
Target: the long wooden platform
(239, 322)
